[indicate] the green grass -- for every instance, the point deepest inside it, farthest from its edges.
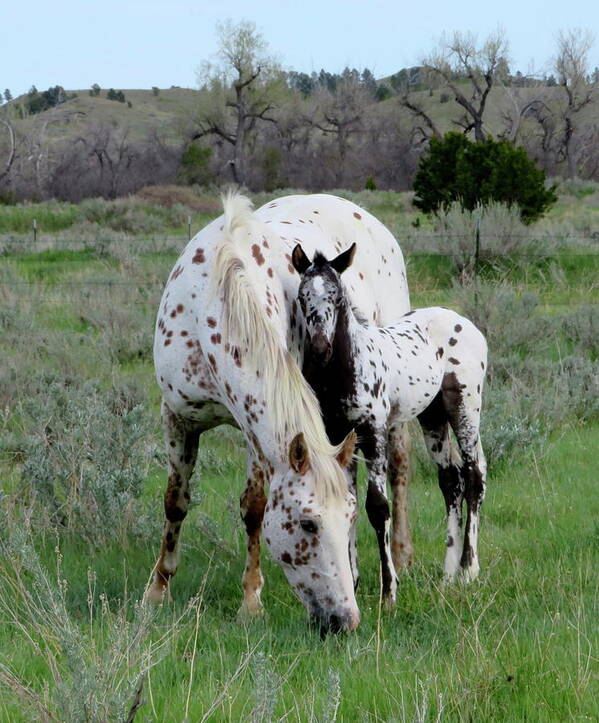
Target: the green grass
(519, 644)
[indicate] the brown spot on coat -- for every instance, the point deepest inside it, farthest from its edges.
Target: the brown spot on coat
(198, 257)
(257, 254)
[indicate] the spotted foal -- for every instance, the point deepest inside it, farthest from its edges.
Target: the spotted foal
(429, 365)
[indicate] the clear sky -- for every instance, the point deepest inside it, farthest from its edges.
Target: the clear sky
(141, 43)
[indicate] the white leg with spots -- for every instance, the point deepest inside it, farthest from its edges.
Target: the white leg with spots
(436, 436)
(182, 447)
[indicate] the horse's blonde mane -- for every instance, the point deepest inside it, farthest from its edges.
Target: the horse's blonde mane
(291, 403)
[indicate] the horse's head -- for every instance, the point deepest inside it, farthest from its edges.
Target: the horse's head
(307, 530)
(319, 296)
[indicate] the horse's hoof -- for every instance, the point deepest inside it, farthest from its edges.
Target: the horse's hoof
(157, 594)
(403, 560)
(250, 611)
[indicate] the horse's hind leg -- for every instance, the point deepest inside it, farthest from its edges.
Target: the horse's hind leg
(182, 446)
(435, 427)
(462, 401)
(398, 454)
(252, 504)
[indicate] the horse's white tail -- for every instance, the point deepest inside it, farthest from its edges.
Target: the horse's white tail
(290, 401)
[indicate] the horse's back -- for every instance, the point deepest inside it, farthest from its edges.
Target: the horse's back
(376, 280)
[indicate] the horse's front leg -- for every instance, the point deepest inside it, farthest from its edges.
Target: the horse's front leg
(377, 506)
(181, 439)
(252, 504)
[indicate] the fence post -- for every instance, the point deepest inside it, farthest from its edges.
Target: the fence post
(476, 258)
(34, 230)
(188, 228)
(477, 246)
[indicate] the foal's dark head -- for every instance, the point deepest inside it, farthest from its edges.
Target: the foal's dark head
(320, 294)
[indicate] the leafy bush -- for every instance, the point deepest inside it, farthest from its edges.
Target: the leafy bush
(500, 230)
(117, 95)
(195, 164)
(456, 169)
(96, 666)
(37, 102)
(86, 458)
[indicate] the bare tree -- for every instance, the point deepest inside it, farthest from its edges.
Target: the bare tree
(11, 148)
(460, 57)
(340, 113)
(572, 68)
(239, 91)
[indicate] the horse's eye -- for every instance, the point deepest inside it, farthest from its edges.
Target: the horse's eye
(309, 526)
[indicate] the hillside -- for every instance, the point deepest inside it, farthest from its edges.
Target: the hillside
(147, 113)
(168, 110)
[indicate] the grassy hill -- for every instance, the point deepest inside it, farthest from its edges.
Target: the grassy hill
(167, 112)
(146, 113)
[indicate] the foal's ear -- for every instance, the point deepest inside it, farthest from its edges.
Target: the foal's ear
(299, 458)
(347, 449)
(299, 260)
(343, 261)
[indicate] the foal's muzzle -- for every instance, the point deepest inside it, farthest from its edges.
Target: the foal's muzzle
(321, 347)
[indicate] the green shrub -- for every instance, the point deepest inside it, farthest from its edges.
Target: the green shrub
(456, 169)
(86, 457)
(195, 164)
(370, 185)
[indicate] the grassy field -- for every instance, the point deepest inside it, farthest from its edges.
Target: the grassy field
(82, 471)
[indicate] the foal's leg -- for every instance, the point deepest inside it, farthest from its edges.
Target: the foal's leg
(182, 446)
(399, 473)
(353, 548)
(463, 401)
(377, 506)
(252, 504)
(435, 427)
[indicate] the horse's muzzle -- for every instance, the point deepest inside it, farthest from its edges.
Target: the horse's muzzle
(337, 621)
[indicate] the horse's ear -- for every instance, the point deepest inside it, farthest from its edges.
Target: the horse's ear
(343, 261)
(299, 458)
(299, 260)
(347, 449)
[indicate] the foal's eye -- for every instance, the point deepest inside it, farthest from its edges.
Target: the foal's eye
(309, 526)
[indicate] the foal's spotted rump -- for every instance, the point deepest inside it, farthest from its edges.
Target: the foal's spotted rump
(229, 337)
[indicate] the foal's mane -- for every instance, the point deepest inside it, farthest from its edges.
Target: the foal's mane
(291, 403)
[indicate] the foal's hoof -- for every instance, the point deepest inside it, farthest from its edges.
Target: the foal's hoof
(157, 594)
(470, 573)
(389, 602)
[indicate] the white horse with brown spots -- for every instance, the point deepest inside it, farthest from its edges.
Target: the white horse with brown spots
(430, 365)
(228, 345)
